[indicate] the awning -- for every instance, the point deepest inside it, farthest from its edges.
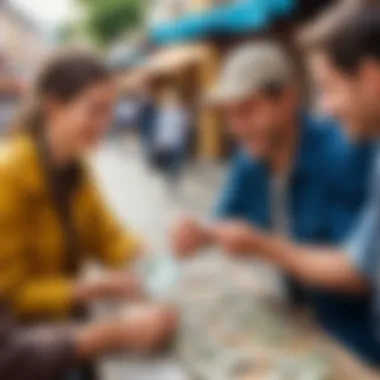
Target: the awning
(239, 17)
(175, 58)
(166, 61)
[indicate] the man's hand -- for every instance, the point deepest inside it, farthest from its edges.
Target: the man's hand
(321, 267)
(188, 236)
(123, 285)
(237, 238)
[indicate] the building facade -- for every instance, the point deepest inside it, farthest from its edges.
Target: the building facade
(22, 45)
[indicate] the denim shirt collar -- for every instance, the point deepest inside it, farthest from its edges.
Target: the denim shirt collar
(303, 156)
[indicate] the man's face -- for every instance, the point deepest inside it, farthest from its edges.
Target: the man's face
(257, 123)
(353, 99)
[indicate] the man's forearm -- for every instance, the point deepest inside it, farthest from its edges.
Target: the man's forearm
(321, 267)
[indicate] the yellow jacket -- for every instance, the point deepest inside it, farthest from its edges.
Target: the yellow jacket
(32, 277)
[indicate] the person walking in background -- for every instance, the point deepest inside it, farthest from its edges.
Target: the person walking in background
(52, 217)
(295, 177)
(126, 114)
(171, 137)
(146, 120)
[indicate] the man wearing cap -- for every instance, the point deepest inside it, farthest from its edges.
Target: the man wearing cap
(295, 176)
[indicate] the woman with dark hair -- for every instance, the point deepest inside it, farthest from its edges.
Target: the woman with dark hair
(52, 217)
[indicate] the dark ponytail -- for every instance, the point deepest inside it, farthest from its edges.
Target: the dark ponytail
(65, 77)
(29, 118)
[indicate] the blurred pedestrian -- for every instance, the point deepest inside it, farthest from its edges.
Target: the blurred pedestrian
(171, 138)
(146, 120)
(126, 114)
(295, 177)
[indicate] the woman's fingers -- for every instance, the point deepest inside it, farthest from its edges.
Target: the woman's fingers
(149, 327)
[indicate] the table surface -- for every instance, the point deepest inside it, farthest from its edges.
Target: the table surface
(169, 367)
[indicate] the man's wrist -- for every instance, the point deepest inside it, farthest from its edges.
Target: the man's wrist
(259, 244)
(282, 252)
(269, 246)
(206, 237)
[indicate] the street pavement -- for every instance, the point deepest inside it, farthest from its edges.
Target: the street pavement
(140, 197)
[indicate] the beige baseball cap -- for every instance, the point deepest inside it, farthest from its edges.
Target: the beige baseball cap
(249, 69)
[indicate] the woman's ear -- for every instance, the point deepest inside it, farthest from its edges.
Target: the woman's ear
(50, 107)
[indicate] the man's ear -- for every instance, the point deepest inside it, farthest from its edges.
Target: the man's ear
(291, 96)
(369, 74)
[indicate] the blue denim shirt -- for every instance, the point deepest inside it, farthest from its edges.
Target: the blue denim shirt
(363, 246)
(328, 187)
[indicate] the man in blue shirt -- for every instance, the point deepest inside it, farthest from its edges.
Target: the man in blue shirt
(296, 179)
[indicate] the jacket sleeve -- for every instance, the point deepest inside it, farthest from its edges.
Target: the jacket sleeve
(43, 297)
(27, 294)
(113, 244)
(43, 353)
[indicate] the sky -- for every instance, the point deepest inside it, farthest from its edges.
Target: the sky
(48, 13)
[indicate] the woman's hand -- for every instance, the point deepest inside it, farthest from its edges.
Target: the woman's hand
(148, 328)
(142, 251)
(143, 329)
(114, 285)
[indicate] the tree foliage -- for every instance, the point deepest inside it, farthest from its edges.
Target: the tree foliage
(67, 32)
(106, 20)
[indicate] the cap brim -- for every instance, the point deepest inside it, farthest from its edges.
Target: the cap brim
(220, 96)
